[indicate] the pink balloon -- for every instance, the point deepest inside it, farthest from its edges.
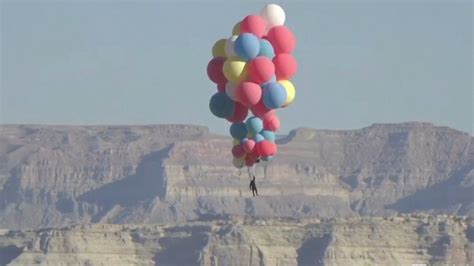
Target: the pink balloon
(253, 24)
(221, 87)
(261, 111)
(238, 151)
(282, 39)
(271, 123)
(285, 66)
(240, 113)
(248, 93)
(248, 145)
(214, 70)
(261, 69)
(266, 148)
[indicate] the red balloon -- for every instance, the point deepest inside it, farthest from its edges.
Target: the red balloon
(240, 113)
(261, 111)
(221, 87)
(253, 24)
(214, 70)
(274, 148)
(248, 93)
(271, 123)
(248, 146)
(249, 161)
(238, 151)
(285, 66)
(266, 148)
(261, 69)
(282, 39)
(254, 155)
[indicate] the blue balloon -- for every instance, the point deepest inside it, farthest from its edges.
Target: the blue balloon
(266, 49)
(258, 138)
(272, 79)
(268, 135)
(238, 130)
(268, 158)
(274, 95)
(221, 105)
(254, 125)
(247, 46)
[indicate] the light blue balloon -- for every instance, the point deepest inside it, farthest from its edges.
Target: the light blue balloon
(268, 158)
(274, 95)
(268, 135)
(266, 49)
(247, 46)
(221, 105)
(254, 125)
(238, 130)
(258, 138)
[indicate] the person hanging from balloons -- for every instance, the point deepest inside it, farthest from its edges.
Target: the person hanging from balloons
(253, 187)
(252, 70)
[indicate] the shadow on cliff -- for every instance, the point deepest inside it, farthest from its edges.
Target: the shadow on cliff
(147, 183)
(11, 188)
(442, 196)
(313, 250)
(186, 250)
(439, 250)
(9, 253)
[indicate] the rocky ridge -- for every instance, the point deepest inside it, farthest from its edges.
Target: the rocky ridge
(401, 240)
(53, 176)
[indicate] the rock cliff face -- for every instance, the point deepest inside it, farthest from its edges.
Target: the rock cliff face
(60, 175)
(402, 240)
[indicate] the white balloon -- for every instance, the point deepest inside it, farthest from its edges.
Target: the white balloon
(238, 162)
(230, 90)
(229, 46)
(273, 15)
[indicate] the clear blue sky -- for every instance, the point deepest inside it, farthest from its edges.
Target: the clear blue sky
(144, 62)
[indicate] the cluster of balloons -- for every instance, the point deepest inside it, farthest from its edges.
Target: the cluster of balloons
(252, 70)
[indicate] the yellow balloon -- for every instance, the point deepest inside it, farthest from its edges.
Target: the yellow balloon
(236, 29)
(218, 48)
(235, 142)
(290, 91)
(235, 69)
